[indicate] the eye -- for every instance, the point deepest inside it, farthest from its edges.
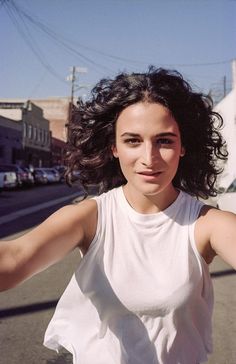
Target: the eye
(132, 141)
(164, 141)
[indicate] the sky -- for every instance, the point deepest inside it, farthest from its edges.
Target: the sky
(42, 39)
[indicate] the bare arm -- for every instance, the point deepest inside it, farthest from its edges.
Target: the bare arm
(69, 227)
(216, 235)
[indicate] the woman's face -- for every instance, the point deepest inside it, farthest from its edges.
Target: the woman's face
(148, 145)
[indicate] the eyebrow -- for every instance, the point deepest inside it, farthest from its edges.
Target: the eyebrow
(165, 134)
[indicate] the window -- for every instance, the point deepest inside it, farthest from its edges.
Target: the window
(38, 135)
(24, 130)
(29, 131)
(34, 133)
(43, 136)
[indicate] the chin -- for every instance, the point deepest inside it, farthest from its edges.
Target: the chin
(152, 193)
(150, 190)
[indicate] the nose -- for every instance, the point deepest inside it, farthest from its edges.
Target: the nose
(150, 155)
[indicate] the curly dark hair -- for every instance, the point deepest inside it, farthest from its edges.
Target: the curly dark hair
(92, 130)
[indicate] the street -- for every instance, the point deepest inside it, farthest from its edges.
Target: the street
(26, 310)
(36, 203)
(42, 290)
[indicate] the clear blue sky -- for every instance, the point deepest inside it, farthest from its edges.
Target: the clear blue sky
(196, 37)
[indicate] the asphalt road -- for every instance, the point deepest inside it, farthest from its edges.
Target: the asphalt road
(13, 200)
(26, 310)
(23, 209)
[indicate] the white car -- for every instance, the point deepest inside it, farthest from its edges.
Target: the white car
(7, 180)
(227, 199)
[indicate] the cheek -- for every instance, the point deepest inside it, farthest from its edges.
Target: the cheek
(127, 159)
(170, 156)
(126, 155)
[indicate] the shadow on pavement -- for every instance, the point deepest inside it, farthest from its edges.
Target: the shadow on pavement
(223, 273)
(22, 310)
(64, 358)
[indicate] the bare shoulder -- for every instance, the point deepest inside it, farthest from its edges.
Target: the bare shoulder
(86, 213)
(69, 227)
(215, 234)
(210, 217)
(82, 210)
(82, 215)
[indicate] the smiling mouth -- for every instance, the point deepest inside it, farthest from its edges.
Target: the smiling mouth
(151, 174)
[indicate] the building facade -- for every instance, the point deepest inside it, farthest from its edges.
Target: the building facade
(57, 152)
(10, 141)
(56, 110)
(227, 109)
(35, 132)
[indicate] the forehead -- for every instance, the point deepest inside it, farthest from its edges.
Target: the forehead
(143, 117)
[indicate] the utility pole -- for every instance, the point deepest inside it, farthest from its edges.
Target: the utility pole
(74, 85)
(73, 78)
(224, 86)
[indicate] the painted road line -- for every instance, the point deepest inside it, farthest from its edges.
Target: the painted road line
(29, 210)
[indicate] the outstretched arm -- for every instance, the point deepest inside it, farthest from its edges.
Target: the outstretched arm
(71, 226)
(216, 232)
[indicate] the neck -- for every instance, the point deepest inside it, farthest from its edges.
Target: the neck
(150, 204)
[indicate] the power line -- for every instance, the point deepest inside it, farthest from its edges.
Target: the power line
(199, 64)
(27, 37)
(58, 38)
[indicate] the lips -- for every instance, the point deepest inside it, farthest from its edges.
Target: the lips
(149, 173)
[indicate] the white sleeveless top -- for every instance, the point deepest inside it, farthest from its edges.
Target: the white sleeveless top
(142, 293)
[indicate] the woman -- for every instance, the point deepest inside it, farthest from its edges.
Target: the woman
(142, 292)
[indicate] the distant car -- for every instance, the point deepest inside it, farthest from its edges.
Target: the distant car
(8, 180)
(227, 199)
(61, 170)
(29, 181)
(40, 177)
(56, 174)
(52, 175)
(22, 176)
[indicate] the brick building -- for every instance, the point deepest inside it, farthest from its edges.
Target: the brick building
(57, 152)
(55, 110)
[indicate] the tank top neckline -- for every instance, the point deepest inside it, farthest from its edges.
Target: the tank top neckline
(157, 218)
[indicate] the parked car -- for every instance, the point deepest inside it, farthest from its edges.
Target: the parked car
(29, 181)
(8, 180)
(227, 199)
(52, 175)
(40, 177)
(61, 170)
(22, 176)
(56, 174)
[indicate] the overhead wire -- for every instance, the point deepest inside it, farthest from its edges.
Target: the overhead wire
(21, 17)
(27, 37)
(58, 38)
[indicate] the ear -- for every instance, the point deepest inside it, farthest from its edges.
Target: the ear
(182, 152)
(114, 151)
